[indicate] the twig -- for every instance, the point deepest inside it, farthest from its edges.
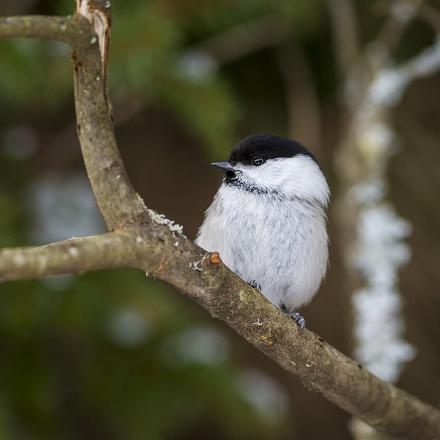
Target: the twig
(73, 30)
(75, 255)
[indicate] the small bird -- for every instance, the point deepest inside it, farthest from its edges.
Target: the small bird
(268, 220)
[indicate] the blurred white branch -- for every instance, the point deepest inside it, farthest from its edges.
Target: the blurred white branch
(390, 83)
(378, 248)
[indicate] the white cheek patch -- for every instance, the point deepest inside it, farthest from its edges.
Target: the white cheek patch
(298, 176)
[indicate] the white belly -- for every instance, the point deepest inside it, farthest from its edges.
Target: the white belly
(280, 244)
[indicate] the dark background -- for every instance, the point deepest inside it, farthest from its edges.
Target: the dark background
(113, 355)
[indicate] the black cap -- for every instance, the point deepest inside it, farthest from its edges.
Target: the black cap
(266, 146)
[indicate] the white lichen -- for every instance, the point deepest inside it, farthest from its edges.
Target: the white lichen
(160, 219)
(195, 265)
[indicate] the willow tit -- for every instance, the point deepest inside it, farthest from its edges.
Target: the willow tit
(268, 220)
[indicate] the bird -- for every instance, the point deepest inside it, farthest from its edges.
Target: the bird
(268, 220)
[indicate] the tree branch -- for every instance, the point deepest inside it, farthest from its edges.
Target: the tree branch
(73, 30)
(118, 202)
(76, 255)
(150, 242)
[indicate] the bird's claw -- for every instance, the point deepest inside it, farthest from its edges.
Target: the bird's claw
(298, 318)
(255, 284)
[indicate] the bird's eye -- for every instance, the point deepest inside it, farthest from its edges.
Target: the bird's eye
(257, 161)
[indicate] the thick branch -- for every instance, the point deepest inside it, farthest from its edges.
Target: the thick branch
(76, 255)
(202, 277)
(319, 366)
(118, 202)
(73, 30)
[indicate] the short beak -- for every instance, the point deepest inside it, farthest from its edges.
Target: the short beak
(224, 165)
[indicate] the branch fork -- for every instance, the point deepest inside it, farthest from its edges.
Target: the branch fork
(98, 13)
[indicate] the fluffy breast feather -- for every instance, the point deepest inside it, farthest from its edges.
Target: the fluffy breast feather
(280, 243)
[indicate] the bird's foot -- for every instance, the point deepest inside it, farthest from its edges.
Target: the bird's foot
(297, 317)
(255, 284)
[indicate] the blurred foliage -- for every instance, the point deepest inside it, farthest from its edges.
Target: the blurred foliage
(69, 374)
(152, 61)
(20, 79)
